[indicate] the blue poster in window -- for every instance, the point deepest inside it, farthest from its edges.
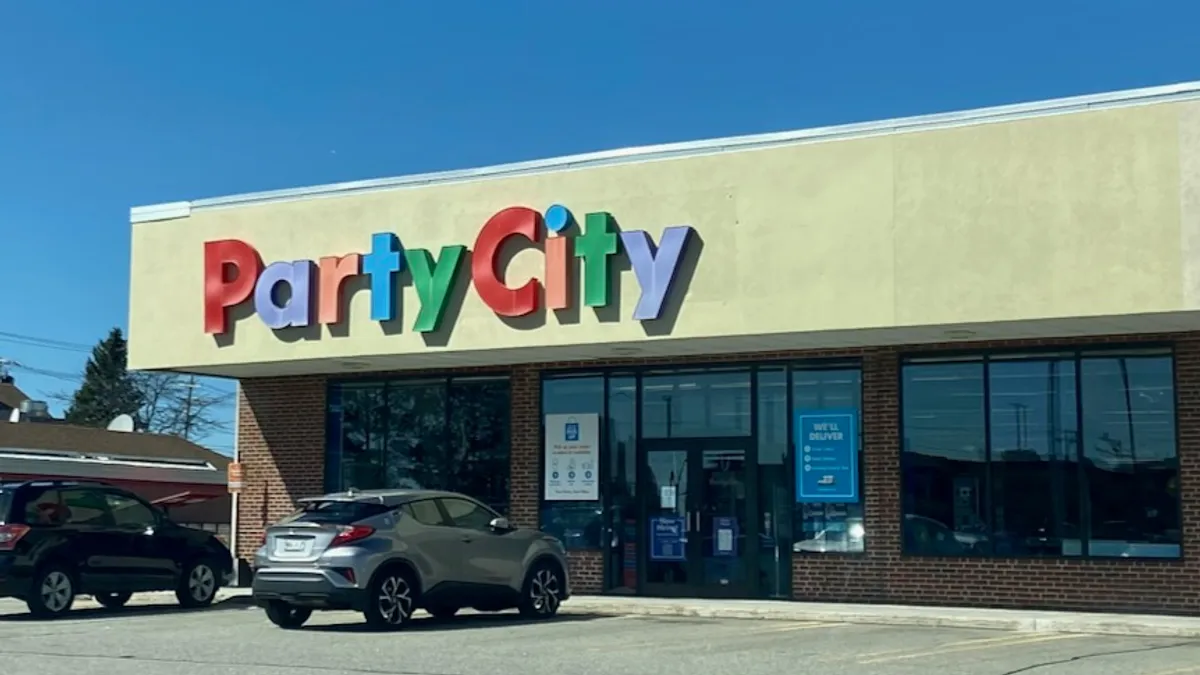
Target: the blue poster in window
(667, 540)
(827, 455)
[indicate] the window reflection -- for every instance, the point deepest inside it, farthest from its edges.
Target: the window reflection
(1130, 456)
(1102, 484)
(944, 470)
(832, 527)
(422, 434)
(696, 404)
(622, 483)
(1035, 472)
(774, 484)
(578, 524)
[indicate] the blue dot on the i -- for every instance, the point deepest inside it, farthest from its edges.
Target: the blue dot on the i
(557, 218)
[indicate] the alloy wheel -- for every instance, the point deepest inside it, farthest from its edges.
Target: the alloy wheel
(56, 591)
(544, 591)
(395, 600)
(201, 583)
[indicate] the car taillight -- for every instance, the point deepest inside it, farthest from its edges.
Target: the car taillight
(348, 534)
(10, 535)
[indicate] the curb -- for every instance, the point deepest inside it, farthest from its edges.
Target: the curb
(881, 615)
(1091, 624)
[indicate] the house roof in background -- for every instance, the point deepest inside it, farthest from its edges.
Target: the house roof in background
(11, 396)
(72, 438)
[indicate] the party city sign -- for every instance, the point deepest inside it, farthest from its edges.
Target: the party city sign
(234, 272)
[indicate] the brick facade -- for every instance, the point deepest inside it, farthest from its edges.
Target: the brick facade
(281, 442)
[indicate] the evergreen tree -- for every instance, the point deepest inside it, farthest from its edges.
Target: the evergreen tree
(108, 389)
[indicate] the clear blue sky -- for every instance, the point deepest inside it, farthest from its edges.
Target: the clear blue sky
(108, 105)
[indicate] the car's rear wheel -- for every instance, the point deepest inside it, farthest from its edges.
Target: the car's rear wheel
(287, 616)
(198, 585)
(53, 592)
(543, 591)
(391, 599)
(442, 612)
(113, 600)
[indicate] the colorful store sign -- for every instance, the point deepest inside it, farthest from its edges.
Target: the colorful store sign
(572, 461)
(827, 455)
(234, 272)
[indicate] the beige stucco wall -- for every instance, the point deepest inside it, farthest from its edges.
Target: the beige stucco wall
(1070, 215)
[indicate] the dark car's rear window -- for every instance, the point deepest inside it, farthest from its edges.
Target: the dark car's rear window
(335, 512)
(6, 499)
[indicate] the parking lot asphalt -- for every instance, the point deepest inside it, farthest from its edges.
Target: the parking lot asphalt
(234, 638)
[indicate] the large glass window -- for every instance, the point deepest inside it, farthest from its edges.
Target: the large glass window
(579, 525)
(1064, 454)
(621, 486)
(831, 527)
(443, 434)
(707, 403)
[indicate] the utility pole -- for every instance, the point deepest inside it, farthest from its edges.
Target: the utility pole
(187, 407)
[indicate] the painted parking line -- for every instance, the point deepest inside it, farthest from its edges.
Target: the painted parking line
(994, 644)
(798, 626)
(1177, 671)
(956, 643)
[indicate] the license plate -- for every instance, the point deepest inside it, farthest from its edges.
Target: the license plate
(291, 546)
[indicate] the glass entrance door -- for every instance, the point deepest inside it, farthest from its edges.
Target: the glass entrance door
(698, 522)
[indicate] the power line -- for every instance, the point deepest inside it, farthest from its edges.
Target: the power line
(44, 343)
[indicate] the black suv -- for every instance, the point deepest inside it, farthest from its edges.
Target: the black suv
(59, 539)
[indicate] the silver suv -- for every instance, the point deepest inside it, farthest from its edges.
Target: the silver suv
(388, 553)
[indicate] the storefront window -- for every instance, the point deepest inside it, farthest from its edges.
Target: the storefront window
(622, 483)
(944, 468)
(1129, 451)
(998, 460)
(578, 524)
(444, 434)
(685, 404)
(775, 501)
(833, 526)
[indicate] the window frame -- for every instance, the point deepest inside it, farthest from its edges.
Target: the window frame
(449, 519)
(155, 515)
(1077, 354)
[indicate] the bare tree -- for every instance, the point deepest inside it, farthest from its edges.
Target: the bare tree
(175, 405)
(180, 405)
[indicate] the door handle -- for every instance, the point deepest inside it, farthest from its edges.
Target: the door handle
(467, 540)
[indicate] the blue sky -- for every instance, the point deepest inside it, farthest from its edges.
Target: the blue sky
(108, 105)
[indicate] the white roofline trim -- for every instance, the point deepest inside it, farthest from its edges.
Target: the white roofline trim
(1005, 113)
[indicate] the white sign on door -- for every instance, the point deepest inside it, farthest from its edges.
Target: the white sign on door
(572, 459)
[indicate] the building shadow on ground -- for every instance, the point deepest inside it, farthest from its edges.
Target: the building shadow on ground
(17, 611)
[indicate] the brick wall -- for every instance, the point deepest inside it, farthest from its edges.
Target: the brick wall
(282, 445)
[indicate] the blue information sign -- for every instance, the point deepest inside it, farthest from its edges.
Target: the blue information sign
(725, 537)
(666, 538)
(827, 455)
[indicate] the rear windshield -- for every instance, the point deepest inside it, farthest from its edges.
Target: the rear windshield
(335, 512)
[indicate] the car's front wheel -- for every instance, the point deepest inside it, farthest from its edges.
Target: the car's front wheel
(113, 600)
(53, 592)
(287, 616)
(543, 591)
(197, 585)
(391, 599)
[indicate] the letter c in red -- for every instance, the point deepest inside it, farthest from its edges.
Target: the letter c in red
(505, 301)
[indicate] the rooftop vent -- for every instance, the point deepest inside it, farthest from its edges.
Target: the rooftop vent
(35, 409)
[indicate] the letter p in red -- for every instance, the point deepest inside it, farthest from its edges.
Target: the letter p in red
(231, 268)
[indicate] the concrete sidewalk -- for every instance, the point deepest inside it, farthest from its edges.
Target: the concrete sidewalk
(1144, 625)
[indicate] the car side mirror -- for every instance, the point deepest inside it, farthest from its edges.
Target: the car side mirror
(500, 524)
